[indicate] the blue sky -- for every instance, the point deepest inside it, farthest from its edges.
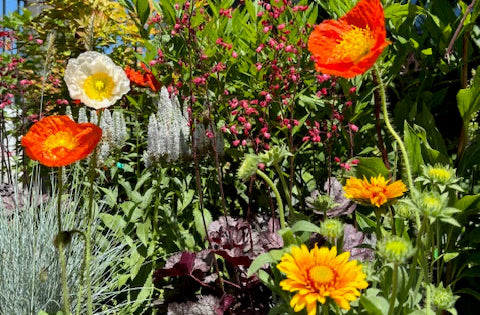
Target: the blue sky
(11, 6)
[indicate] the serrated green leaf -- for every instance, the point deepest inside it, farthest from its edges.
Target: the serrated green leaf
(143, 231)
(114, 222)
(198, 219)
(187, 199)
(142, 180)
(110, 196)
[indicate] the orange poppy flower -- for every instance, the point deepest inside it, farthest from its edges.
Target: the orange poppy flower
(350, 45)
(376, 191)
(143, 79)
(59, 141)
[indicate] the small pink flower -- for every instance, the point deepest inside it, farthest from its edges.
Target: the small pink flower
(234, 54)
(39, 41)
(353, 127)
(236, 143)
(209, 134)
(355, 161)
(353, 89)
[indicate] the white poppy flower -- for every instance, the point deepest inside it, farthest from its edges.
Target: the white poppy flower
(95, 80)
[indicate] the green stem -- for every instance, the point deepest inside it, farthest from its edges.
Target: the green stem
(394, 289)
(438, 252)
(88, 233)
(80, 285)
(383, 98)
(325, 308)
(60, 244)
(277, 195)
(285, 188)
(413, 266)
(378, 218)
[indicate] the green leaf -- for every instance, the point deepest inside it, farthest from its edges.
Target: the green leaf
(373, 304)
(114, 222)
(449, 256)
(364, 222)
(371, 167)
(146, 291)
(470, 157)
(110, 196)
(197, 217)
(305, 226)
(143, 231)
(143, 10)
(187, 199)
(142, 180)
(468, 203)
(471, 292)
(397, 10)
(450, 220)
(413, 148)
(259, 262)
(468, 100)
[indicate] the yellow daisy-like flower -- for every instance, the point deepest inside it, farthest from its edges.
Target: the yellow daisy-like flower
(95, 80)
(377, 191)
(318, 274)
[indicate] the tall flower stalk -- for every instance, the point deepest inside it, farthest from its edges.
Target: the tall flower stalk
(61, 241)
(88, 232)
(401, 145)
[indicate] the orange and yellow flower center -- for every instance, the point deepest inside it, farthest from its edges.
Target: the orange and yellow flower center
(321, 275)
(58, 141)
(354, 44)
(99, 86)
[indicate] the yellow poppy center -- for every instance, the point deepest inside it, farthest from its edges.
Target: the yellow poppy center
(354, 44)
(321, 274)
(440, 174)
(59, 141)
(98, 86)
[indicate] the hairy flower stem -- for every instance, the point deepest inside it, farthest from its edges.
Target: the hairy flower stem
(383, 98)
(88, 233)
(394, 289)
(269, 182)
(60, 246)
(413, 266)
(82, 272)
